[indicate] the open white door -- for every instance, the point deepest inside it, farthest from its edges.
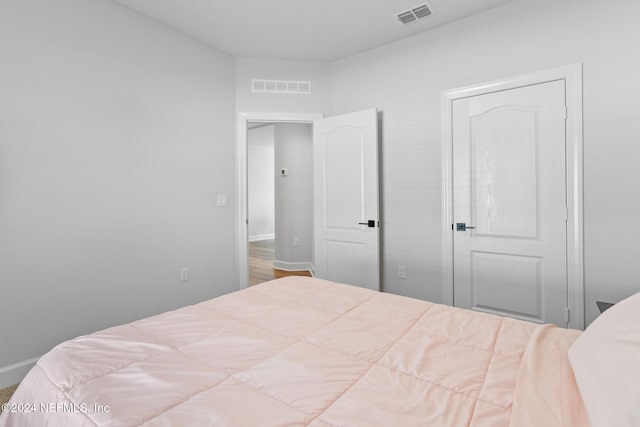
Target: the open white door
(346, 222)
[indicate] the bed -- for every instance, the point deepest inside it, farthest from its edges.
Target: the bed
(307, 352)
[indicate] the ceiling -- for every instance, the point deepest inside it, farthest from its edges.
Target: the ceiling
(320, 30)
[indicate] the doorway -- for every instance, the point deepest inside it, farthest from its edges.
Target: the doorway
(242, 229)
(512, 178)
(279, 191)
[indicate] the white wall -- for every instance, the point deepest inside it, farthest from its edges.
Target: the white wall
(261, 183)
(116, 134)
(318, 73)
(294, 195)
(405, 80)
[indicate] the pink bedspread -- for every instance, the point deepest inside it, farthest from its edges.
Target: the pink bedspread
(300, 351)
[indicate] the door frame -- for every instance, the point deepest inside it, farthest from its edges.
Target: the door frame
(242, 214)
(572, 75)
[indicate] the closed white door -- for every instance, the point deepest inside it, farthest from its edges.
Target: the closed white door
(346, 229)
(509, 203)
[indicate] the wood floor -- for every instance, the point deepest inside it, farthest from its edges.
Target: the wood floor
(261, 256)
(6, 393)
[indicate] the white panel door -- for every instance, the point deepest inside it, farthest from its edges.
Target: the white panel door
(346, 229)
(509, 185)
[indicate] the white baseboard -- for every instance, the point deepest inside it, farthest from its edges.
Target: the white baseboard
(312, 270)
(292, 266)
(13, 374)
(259, 237)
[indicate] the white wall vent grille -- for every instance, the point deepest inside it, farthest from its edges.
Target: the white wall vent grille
(415, 13)
(281, 86)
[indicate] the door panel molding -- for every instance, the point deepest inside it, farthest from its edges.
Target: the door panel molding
(333, 143)
(572, 76)
(529, 264)
(478, 151)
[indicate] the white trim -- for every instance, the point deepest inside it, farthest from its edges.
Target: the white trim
(242, 265)
(259, 237)
(13, 374)
(447, 198)
(292, 266)
(572, 75)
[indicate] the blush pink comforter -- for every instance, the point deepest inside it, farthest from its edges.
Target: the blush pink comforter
(300, 351)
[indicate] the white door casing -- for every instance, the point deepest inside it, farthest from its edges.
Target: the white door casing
(512, 168)
(509, 185)
(345, 160)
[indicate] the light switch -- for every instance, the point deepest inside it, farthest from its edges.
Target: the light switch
(222, 200)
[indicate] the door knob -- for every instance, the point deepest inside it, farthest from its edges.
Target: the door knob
(461, 226)
(371, 223)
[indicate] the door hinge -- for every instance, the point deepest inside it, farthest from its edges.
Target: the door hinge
(566, 213)
(566, 314)
(564, 112)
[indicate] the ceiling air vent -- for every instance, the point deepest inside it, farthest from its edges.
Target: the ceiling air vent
(281, 86)
(406, 17)
(417, 12)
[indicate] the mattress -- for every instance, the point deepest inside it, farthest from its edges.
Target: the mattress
(307, 352)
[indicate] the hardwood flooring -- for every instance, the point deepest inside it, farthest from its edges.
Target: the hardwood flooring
(6, 393)
(261, 256)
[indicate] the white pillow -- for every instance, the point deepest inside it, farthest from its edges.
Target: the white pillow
(606, 363)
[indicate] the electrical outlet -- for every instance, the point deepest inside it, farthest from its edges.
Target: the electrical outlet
(296, 241)
(184, 274)
(401, 272)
